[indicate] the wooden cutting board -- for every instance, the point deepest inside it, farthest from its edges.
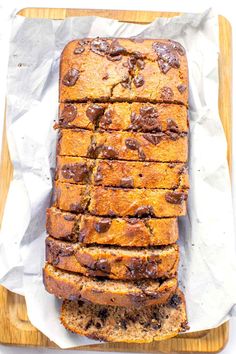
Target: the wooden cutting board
(15, 327)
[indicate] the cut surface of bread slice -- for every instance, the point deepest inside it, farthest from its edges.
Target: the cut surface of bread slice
(120, 324)
(113, 262)
(161, 147)
(125, 174)
(108, 201)
(144, 117)
(71, 286)
(131, 232)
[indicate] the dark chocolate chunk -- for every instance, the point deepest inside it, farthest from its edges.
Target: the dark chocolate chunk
(68, 113)
(79, 49)
(69, 217)
(175, 301)
(103, 314)
(132, 144)
(127, 182)
(138, 81)
(93, 150)
(168, 55)
(126, 83)
(140, 64)
(78, 171)
(70, 77)
(88, 261)
(109, 152)
(175, 197)
(99, 46)
(106, 119)
(147, 120)
(103, 265)
(115, 51)
(139, 269)
(172, 126)
(181, 88)
(98, 176)
(132, 221)
(166, 93)
(145, 211)
(114, 58)
(141, 154)
(153, 138)
(76, 207)
(123, 323)
(103, 225)
(88, 325)
(94, 111)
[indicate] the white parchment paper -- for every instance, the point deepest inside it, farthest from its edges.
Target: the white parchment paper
(207, 240)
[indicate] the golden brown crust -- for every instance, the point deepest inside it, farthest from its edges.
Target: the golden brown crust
(133, 232)
(107, 201)
(119, 324)
(154, 71)
(73, 286)
(126, 174)
(114, 263)
(124, 145)
(143, 117)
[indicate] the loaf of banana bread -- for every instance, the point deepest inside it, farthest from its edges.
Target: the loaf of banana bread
(107, 201)
(162, 147)
(136, 116)
(74, 286)
(113, 262)
(131, 232)
(126, 174)
(122, 324)
(106, 70)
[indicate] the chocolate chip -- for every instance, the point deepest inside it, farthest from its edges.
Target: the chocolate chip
(105, 76)
(172, 126)
(114, 58)
(132, 221)
(126, 83)
(99, 46)
(79, 49)
(166, 93)
(70, 77)
(108, 152)
(175, 197)
(103, 265)
(138, 269)
(103, 314)
(123, 324)
(94, 150)
(69, 217)
(98, 325)
(138, 81)
(106, 119)
(98, 176)
(141, 154)
(140, 64)
(94, 111)
(76, 207)
(132, 144)
(145, 211)
(83, 233)
(153, 138)
(175, 301)
(115, 51)
(102, 225)
(181, 88)
(79, 172)
(127, 182)
(168, 55)
(147, 120)
(88, 325)
(68, 113)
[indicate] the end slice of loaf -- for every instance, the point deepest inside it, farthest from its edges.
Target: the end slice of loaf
(71, 286)
(120, 324)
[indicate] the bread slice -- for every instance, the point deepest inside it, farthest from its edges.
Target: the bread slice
(161, 147)
(135, 116)
(108, 201)
(132, 232)
(67, 285)
(113, 262)
(125, 174)
(104, 69)
(121, 324)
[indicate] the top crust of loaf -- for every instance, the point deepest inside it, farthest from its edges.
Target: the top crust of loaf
(123, 70)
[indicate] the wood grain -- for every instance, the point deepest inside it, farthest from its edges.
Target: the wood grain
(15, 327)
